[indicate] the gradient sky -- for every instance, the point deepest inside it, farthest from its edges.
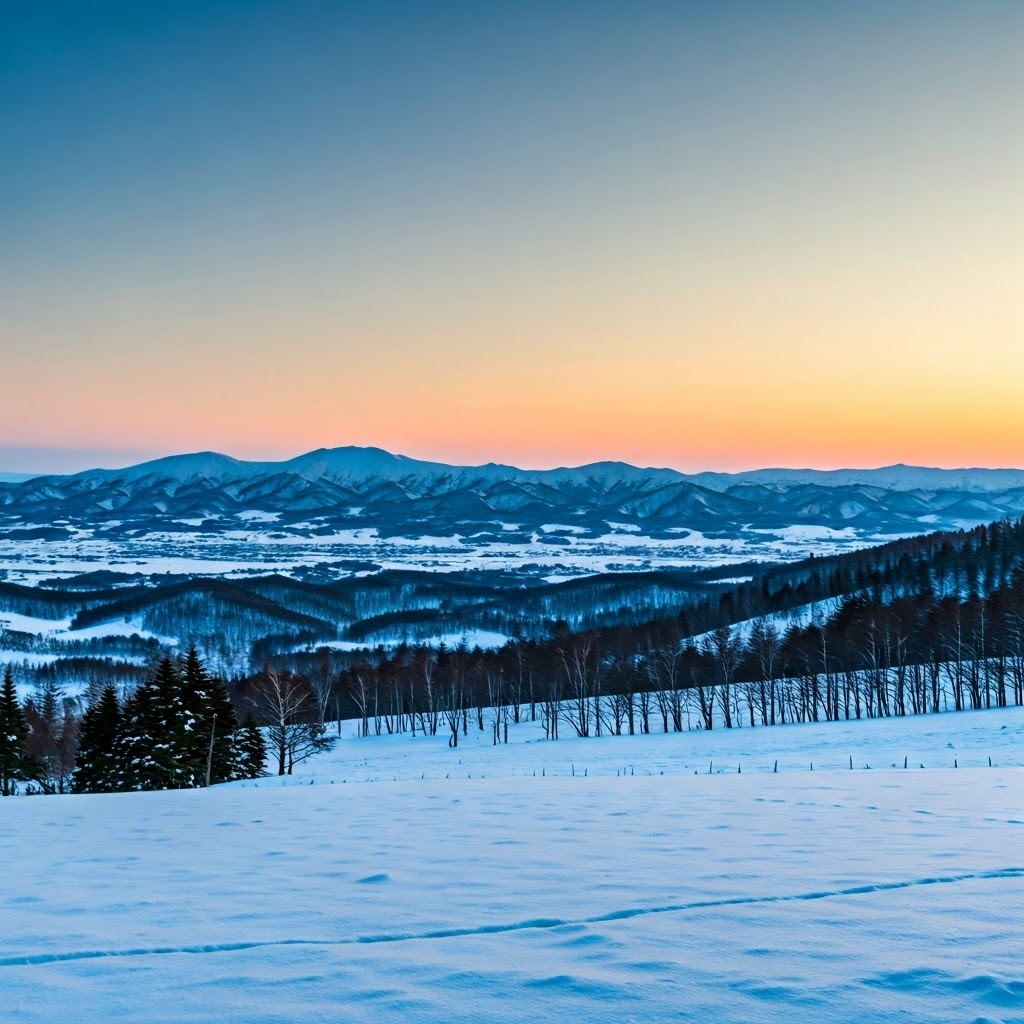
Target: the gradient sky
(707, 235)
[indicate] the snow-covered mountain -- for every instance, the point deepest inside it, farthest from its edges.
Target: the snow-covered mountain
(210, 513)
(893, 478)
(396, 494)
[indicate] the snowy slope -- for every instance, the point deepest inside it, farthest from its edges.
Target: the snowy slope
(833, 897)
(967, 738)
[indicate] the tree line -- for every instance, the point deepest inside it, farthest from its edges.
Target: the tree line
(179, 729)
(915, 627)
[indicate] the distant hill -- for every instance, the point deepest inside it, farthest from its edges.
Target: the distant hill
(356, 488)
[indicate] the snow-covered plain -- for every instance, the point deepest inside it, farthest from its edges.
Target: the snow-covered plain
(253, 551)
(833, 896)
(954, 739)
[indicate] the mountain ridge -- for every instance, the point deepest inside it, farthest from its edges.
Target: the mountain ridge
(602, 513)
(361, 462)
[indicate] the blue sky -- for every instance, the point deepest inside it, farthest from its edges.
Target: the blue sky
(537, 233)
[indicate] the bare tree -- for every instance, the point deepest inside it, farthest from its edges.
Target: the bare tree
(725, 649)
(289, 708)
(425, 666)
(578, 655)
(325, 685)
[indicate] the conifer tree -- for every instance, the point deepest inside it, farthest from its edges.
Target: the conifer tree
(98, 766)
(197, 713)
(253, 751)
(13, 736)
(129, 745)
(157, 734)
(168, 725)
(226, 764)
(52, 737)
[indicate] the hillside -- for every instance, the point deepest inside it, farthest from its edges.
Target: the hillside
(65, 631)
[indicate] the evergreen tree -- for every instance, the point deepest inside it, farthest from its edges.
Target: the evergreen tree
(253, 751)
(13, 736)
(156, 743)
(226, 763)
(197, 711)
(50, 708)
(98, 767)
(53, 735)
(168, 725)
(129, 746)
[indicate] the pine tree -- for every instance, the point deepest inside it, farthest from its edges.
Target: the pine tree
(50, 708)
(164, 736)
(253, 751)
(226, 763)
(155, 747)
(13, 736)
(51, 740)
(197, 710)
(98, 767)
(129, 747)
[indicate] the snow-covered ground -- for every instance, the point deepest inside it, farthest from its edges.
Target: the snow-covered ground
(61, 629)
(833, 896)
(249, 551)
(483, 638)
(962, 739)
(58, 633)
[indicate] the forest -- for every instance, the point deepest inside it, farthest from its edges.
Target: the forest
(237, 624)
(923, 625)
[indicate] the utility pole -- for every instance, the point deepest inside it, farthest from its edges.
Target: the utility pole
(209, 756)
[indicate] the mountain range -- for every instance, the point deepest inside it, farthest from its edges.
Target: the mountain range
(357, 488)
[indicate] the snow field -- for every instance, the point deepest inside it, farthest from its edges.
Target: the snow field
(965, 739)
(837, 896)
(263, 550)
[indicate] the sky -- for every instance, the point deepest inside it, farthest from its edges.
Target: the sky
(705, 235)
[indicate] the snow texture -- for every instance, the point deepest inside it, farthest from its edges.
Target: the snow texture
(825, 897)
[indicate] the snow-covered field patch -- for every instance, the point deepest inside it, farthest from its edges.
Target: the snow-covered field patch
(61, 629)
(552, 549)
(955, 739)
(834, 896)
